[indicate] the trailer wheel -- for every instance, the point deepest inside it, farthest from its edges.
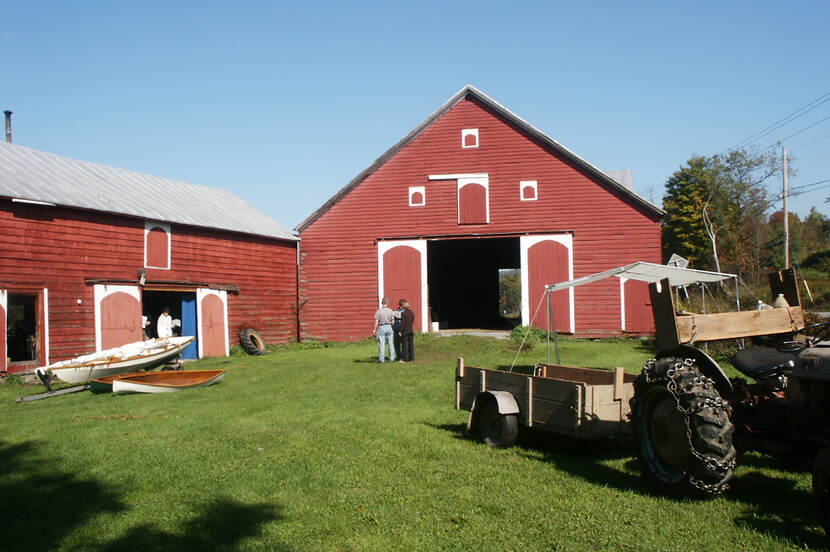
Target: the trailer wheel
(252, 342)
(681, 428)
(496, 429)
(821, 487)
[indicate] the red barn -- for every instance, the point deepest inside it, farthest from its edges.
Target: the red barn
(89, 249)
(471, 195)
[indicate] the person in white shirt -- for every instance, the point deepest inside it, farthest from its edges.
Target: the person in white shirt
(164, 326)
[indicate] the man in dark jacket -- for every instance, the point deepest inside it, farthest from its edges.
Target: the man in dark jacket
(407, 335)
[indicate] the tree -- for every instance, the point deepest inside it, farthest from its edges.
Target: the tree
(684, 232)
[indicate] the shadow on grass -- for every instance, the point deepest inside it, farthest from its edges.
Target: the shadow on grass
(41, 503)
(774, 506)
(222, 525)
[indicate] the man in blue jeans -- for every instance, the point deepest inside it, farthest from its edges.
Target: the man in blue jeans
(384, 317)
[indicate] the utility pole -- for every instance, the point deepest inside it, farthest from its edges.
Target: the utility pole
(786, 217)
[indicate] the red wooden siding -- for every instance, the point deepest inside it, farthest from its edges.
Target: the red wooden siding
(213, 326)
(402, 278)
(157, 248)
(472, 204)
(638, 315)
(548, 262)
(58, 248)
(339, 268)
(120, 320)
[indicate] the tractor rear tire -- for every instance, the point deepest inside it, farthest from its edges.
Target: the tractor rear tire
(821, 487)
(252, 342)
(497, 430)
(682, 430)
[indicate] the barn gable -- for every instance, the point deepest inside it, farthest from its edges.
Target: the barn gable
(470, 139)
(472, 193)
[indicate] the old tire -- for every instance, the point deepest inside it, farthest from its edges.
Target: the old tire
(497, 430)
(821, 487)
(681, 429)
(252, 342)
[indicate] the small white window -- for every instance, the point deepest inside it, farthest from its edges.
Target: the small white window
(417, 196)
(469, 138)
(527, 190)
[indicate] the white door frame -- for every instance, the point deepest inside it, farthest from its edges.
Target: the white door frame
(525, 243)
(100, 292)
(421, 247)
(201, 293)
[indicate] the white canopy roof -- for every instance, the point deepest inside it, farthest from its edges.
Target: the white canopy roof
(649, 272)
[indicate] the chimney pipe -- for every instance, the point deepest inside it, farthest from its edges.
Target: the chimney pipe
(8, 126)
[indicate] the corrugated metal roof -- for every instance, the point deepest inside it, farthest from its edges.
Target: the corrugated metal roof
(34, 175)
(473, 93)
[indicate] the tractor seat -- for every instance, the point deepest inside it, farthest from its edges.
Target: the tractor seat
(762, 362)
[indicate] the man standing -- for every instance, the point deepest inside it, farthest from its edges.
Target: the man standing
(164, 326)
(407, 333)
(383, 330)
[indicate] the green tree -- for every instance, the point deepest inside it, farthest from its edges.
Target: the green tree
(684, 232)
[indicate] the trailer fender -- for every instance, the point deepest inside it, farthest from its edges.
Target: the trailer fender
(707, 365)
(506, 402)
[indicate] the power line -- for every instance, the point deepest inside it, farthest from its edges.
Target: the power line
(783, 121)
(811, 143)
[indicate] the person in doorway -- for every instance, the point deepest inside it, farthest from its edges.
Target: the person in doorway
(145, 327)
(407, 333)
(164, 326)
(396, 329)
(384, 317)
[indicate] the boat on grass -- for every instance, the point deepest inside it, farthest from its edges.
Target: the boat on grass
(141, 355)
(104, 383)
(166, 382)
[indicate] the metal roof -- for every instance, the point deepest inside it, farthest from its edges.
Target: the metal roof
(32, 175)
(649, 272)
(472, 93)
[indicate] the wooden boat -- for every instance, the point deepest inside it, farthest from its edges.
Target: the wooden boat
(141, 355)
(166, 382)
(104, 383)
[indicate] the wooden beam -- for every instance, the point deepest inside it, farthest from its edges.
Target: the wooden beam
(694, 328)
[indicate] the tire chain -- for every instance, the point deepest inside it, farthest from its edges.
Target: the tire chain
(671, 377)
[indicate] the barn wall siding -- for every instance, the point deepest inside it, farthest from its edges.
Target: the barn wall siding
(339, 252)
(57, 249)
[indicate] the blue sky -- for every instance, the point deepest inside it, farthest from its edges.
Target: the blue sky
(284, 103)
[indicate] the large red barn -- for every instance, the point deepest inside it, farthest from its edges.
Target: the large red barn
(88, 249)
(472, 192)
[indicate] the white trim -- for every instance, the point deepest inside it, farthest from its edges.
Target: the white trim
(469, 132)
(456, 176)
(101, 291)
(528, 184)
(45, 326)
(415, 190)
(33, 202)
(525, 243)
(4, 303)
(149, 225)
(481, 181)
(623, 280)
(421, 247)
(201, 293)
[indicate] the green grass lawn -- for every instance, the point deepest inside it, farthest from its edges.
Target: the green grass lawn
(325, 449)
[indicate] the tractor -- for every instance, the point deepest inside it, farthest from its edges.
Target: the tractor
(690, 421)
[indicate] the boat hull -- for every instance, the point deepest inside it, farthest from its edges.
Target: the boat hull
(166, 382)
(129, 358)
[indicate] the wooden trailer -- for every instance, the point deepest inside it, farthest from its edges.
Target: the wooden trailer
(580, 402)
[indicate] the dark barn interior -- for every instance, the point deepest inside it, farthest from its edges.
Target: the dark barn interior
(463, 276)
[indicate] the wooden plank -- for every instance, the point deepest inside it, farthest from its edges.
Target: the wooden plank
(662, 304)
(731, 325)
(784, 283)
(619, 376)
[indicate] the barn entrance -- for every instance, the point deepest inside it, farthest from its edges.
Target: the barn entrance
(473, 281)
(182, 308)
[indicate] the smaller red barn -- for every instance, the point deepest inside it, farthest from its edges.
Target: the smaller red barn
(88, 250)
(471, 200)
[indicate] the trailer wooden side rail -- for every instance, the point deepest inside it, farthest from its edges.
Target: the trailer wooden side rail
(580, 402)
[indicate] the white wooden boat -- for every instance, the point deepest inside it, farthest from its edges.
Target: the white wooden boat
(166, 382)
(141, 355)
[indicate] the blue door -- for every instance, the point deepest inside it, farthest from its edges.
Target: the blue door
(189, 324)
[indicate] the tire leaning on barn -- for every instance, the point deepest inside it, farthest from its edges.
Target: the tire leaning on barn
(682, 429)
(252, 342)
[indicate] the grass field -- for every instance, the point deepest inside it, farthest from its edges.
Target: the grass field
(317, 449)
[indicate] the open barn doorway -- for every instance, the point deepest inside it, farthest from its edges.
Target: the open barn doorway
(472, 281)
(182, 307)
